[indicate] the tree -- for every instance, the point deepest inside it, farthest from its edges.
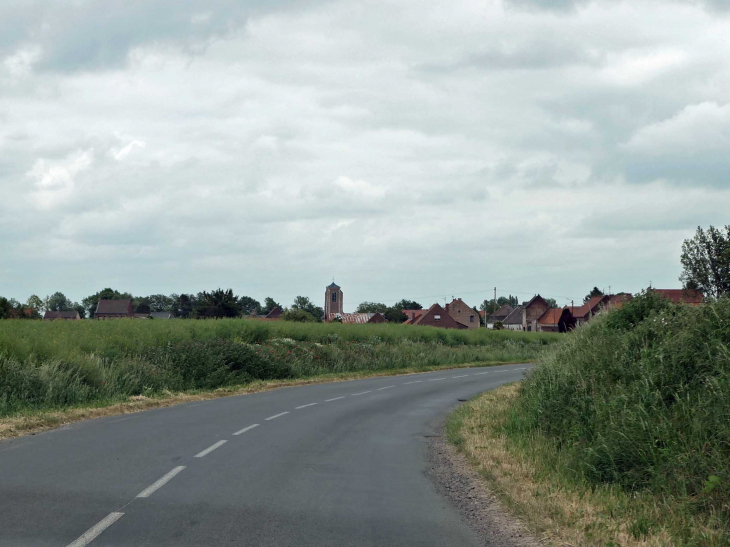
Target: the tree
(90, 302)
(298, 315)
(5, 307)
(35, 303)
(58, 302)
(395, 315)
(249, 306)
(304, 303)
(80, 309)
(160, 302)
(408, 305)
(594, 292)
(479, 315)
(371, 307)
(218, 303)
(183, 305)
(706, 262)
(551, 302)
(269, 305)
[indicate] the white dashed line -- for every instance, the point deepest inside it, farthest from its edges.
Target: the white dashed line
(276, 416)
(335, 399)
(386, 387)
(480, 373)
(305, 406)
(210, 449)
(246, 429)
(436, 379)
(361, 393)
(414, 382)
(160, 483)
(92, 533)
(462, 376)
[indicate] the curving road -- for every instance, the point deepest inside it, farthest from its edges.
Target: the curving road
(338, 464)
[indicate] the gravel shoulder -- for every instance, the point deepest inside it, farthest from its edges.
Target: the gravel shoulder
(455, 479)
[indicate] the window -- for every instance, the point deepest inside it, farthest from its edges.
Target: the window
(437, 318)
(471, 319)
(334, 297)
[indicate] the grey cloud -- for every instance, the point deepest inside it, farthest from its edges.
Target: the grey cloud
(99, 34)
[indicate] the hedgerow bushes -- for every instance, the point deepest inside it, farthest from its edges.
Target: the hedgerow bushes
(53, 365)
(640, 398)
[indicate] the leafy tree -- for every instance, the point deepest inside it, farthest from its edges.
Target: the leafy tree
(299, 315)
(5, 307)
(35, 302)
(249, 306)
(183, 305)
(552, 302)
(81, 309)
(305, 304)
(395, 315)
(160, 302)
(269, 305)
(479, 315)
(706, 261)
(58, 302)
(371, 307)
(408, 305)
(90, 302)
(218, 303)
(594, 292)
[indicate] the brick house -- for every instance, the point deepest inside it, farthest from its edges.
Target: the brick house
(411, 315)
(515, 319)
(114, 309)
(548, 322)
(533, 310)
(62, 315)
(463, 314)
(584, 313)
(435, 316)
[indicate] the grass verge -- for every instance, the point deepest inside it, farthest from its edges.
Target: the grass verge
(34, 421)
(540, 486)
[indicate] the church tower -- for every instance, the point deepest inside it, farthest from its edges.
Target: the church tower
(332, 300)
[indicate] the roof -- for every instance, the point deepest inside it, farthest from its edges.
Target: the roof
(502, 312)
(118, 307)
(550, 317)
(588, 307)
(682, 296)
(529, 303)
(515, 317)
(333, 286)
(161, 315)
(61, 315)
(275, 313)
(351, 318)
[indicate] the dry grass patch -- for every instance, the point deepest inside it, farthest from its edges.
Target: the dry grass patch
(36, 421)
(530, 480)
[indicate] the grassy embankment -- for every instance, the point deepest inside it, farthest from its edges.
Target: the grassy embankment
(47, 368)
(621, 436)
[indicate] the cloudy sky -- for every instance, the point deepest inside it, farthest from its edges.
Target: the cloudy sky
(418, 148)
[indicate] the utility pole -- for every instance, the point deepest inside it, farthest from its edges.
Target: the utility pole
(495, 297)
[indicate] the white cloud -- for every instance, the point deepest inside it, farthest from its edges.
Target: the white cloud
(54, 181)
(124, 152)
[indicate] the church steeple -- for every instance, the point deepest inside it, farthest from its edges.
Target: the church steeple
(332, 299)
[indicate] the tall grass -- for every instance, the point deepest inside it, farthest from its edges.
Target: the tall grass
(46, 365)
(640, 399)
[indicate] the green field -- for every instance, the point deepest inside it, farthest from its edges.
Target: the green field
(55, 365)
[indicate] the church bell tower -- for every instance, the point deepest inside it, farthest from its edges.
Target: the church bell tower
(332, 300)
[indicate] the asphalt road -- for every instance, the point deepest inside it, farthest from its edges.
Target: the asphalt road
(338, 464)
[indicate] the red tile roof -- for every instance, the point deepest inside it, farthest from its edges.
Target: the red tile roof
(550, 317)
(351, 318)
(682, 296)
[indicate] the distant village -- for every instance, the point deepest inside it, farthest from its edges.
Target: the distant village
(535, 315)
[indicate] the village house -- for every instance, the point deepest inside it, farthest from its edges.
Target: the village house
(463, 314)
(526, 316)
(114, 309)
(584, 313)
(499, 316)
(435, 316)
(682, 296)
(549, 320)
(62, 315)
(515, 319)
(357, 318)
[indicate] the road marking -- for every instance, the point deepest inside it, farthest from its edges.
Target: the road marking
(160, 483)
(92, 533)
(122, 419)
(246, 429)
(414, 382)
(480, 373)
(386, 387)
(305, 406)
(362, 393)
(462, 376)
(335, 399)
(437, 379)
(210, 449)
(276, 415)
